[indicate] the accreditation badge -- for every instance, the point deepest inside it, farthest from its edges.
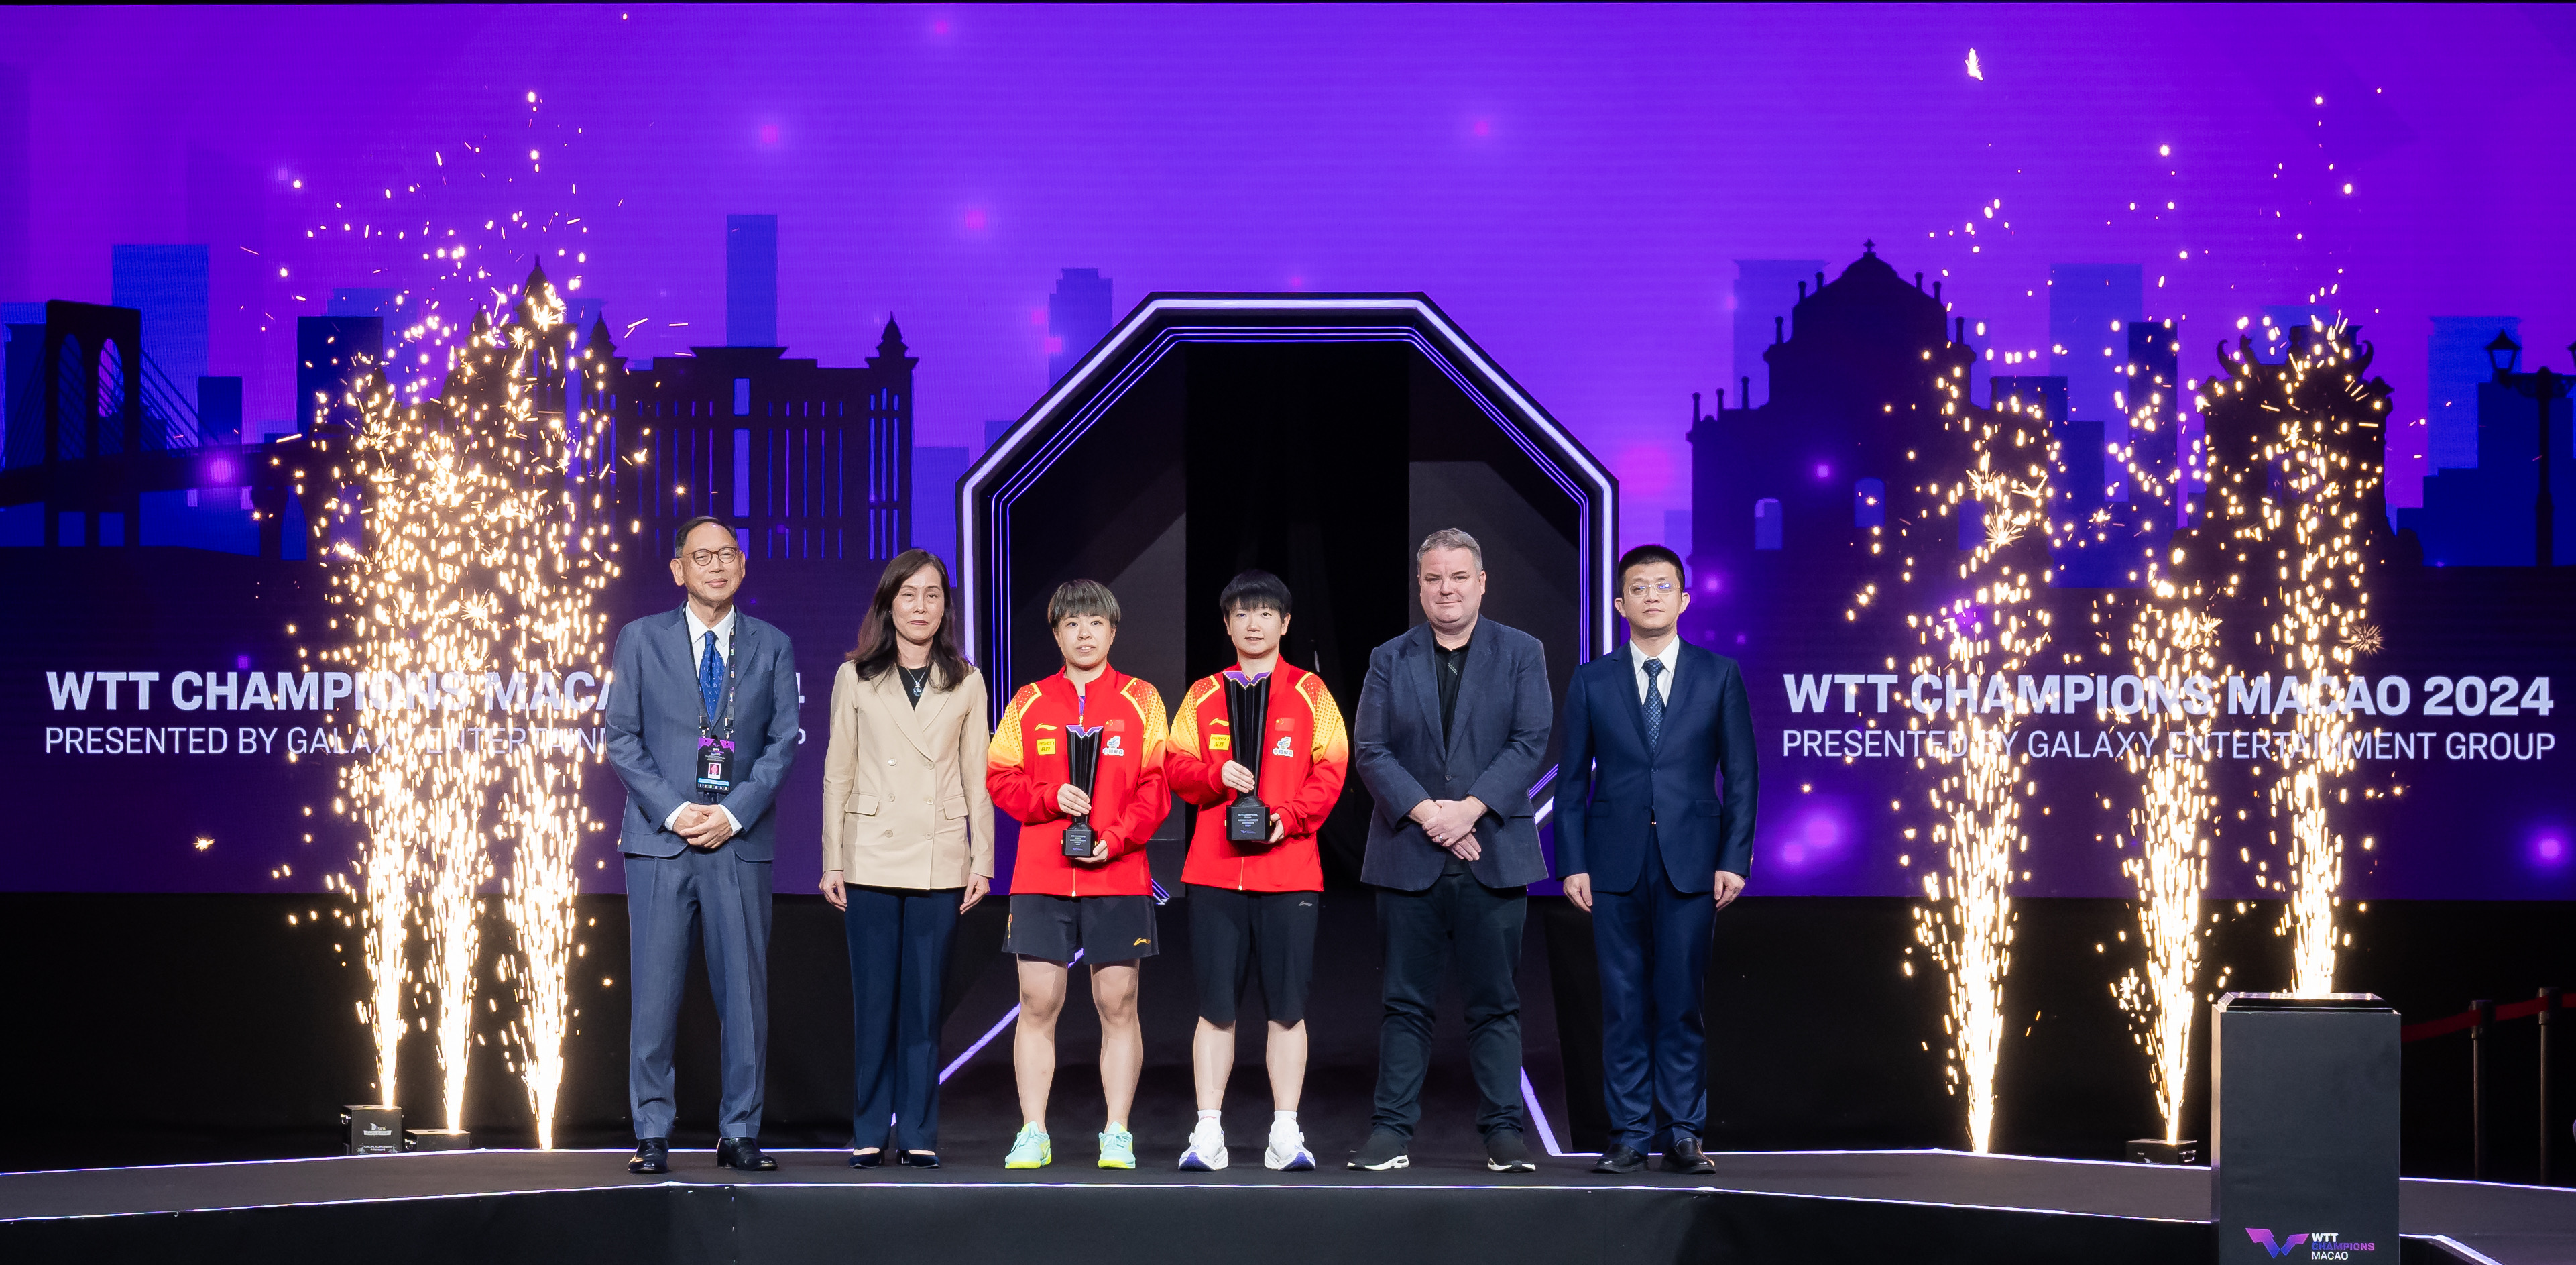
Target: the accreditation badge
(715, 764)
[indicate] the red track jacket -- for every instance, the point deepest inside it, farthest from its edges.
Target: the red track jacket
(1129, 797)
(1306, 755)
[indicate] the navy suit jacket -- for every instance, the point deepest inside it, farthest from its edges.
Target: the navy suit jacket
(1608, 788)
(1497, 736)
(653, 713)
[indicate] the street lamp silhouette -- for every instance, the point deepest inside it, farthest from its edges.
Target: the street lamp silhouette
(2547, 387)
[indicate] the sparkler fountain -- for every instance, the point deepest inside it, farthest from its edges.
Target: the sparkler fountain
(2173, 645)
(2298, 451)
(476, 552)
(559, 564)
(1966, 922)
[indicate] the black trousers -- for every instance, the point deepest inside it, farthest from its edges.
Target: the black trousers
(899, 942)
(1480, 927)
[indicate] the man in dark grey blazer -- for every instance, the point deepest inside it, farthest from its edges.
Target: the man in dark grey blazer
(1452, 725)
(701, 729)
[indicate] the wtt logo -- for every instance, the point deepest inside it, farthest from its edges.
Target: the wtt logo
(2273, 1249)
(2321, 1247)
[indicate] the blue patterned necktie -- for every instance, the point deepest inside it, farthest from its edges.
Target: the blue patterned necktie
(711, 677)
(1654, 706)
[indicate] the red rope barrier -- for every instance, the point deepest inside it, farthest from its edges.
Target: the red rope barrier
(2466, 1020)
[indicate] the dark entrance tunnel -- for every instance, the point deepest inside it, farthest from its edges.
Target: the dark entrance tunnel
(1177, 456)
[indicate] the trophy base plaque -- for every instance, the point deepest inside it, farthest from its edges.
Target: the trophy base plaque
(1247, 821)
(1079, 839)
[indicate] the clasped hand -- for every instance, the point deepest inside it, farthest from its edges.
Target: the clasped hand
(1072, 802)
(703, 825)
(1451, 824)
(1239, 780)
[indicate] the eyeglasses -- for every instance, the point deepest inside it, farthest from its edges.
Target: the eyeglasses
(711, 557)
(1642, 588)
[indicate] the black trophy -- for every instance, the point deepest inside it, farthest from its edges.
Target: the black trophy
(1082, 753)
(1247, 714)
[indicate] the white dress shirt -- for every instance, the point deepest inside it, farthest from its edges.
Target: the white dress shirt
(1671, 658)
(698, 630)
(722, 628)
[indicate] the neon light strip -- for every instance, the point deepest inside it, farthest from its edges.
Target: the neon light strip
(1538, 1116)
(989, 1033)
(1598, 547)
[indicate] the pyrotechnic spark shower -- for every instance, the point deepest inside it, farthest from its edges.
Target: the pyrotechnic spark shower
(1966, 922)
(2316, 430)
(469, 537)
(560, 562)
(2172, 641)
(476, 554)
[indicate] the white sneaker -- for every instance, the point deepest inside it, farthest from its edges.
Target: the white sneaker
(1207, 1149)
(1287, 1152)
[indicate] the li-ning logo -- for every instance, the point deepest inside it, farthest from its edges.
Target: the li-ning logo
(2273, 1249)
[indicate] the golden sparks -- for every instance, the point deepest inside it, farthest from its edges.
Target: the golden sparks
(469, 594)
(1966, 920)
(2298, 509)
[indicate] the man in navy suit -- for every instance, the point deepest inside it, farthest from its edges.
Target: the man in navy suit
(1452, 725)
(1653, 849)
(701, 729)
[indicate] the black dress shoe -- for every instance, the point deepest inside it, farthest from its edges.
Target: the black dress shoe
(1621, 1158)
(744, 1154)
(917, 1159)
(1684, 1156)
(867, 1159)
(652, 1155)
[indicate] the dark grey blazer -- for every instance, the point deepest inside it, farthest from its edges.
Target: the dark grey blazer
(653, 709)
(1497, 738)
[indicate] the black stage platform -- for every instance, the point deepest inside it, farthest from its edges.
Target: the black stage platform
(508, 1206)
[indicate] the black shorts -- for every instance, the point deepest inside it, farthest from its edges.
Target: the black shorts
(1232, 932)
(1106, 929)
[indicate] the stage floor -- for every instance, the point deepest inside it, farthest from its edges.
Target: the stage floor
(1931, 1201)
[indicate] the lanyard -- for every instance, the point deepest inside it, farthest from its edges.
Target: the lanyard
(706, 724)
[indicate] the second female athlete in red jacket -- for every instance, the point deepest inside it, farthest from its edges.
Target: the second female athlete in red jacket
(1253, 905)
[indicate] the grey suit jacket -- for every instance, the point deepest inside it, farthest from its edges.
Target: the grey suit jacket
(653, 712)
(1496, 739)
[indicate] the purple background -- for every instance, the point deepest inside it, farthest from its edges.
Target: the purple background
(1571, 183)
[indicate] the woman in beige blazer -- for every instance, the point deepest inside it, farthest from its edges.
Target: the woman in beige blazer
(907, 843)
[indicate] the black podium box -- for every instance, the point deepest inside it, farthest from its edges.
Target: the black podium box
(372, 1128)
(2303, 1128)
(437, 1140)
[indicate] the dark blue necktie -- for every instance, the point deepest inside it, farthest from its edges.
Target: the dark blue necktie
(1654, 706)
(711, 677)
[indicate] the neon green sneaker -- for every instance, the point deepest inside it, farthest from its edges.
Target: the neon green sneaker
(1030, 1150)
(1117, 1149)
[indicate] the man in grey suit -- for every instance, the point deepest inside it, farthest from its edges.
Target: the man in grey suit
(701, 729)
(1452, 725)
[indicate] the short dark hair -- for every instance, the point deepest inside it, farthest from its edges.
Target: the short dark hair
(1646, 556)
(680, 538)
(1082, 597)
(1254, 590)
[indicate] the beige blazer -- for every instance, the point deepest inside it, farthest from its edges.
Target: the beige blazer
(904, 803)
